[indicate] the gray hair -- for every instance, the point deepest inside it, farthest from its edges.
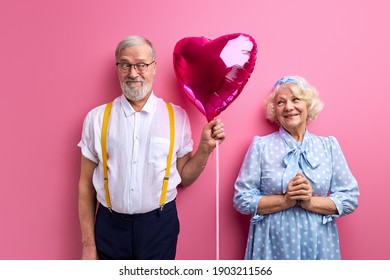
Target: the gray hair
(131, 41)
(301, 89)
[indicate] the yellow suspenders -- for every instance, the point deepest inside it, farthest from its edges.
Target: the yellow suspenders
(106, 117)
(169, 157)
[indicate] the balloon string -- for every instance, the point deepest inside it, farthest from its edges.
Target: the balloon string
(217, 199)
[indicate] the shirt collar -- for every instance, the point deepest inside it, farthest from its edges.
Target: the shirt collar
(148, 107)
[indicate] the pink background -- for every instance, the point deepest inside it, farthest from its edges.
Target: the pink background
(57, 62)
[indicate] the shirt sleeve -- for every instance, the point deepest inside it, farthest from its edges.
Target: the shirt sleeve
(186, 145)
(247, 186)
(344, 189)
(87, 140)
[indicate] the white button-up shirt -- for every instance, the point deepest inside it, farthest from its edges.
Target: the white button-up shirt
(137, 150)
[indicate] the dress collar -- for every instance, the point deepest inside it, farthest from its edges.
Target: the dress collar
(290, 141)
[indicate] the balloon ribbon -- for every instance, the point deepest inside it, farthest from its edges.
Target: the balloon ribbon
(217, 199)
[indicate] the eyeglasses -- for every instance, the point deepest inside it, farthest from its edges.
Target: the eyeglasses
(125, 67)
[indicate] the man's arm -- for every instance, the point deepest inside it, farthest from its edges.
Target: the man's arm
(87, 209)
(191, 166)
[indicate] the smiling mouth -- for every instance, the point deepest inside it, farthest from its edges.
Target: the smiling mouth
(290, 116)
(133, 81)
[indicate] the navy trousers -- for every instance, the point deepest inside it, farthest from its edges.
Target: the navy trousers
(149, 236)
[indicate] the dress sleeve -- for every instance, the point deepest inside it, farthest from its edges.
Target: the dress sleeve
(344, 189)
(247, 185)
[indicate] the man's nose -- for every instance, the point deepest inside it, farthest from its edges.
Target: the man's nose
(132, 72)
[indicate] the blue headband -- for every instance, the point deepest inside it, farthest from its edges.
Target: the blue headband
(289, 79)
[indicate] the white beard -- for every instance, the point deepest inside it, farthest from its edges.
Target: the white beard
(136, 95)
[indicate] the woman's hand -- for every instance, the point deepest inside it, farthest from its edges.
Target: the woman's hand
(299, 190)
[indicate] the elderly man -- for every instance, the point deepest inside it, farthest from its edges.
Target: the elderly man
(136, 150)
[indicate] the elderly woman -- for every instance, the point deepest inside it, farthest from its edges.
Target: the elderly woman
(294, 183)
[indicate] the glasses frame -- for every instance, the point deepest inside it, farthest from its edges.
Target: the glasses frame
(134, 66)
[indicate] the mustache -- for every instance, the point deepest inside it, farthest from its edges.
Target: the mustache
(133, 80)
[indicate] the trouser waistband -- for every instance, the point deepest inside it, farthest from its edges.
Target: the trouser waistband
(141, 216)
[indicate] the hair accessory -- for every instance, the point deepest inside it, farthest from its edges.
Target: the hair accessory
(289, 79)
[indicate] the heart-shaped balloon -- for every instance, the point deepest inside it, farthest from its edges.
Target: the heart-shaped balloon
(212, 73)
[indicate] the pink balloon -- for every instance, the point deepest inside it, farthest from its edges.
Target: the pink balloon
(212, 73)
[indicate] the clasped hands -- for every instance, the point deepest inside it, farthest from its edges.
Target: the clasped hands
(299, 191)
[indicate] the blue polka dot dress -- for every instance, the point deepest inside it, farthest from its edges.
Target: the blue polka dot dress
(295, 233)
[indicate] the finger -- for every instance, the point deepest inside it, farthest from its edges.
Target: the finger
(215, 122)
(300, 181)
(294, 186)
(217, 126)
(294, 180)
(210, 125)
(304, 192)
(219, 137)
(218, 132)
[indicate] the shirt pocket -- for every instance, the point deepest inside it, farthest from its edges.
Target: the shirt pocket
(158, 152)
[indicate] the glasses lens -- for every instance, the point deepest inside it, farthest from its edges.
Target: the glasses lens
(123, 67)
(141, 68)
